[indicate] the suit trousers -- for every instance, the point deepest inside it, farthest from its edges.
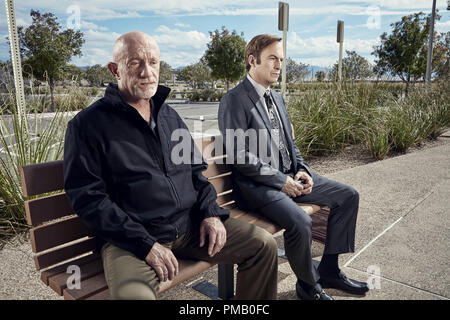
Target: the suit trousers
(253, 249)
(343, 202)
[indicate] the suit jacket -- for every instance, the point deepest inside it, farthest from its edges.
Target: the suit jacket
(256, 178)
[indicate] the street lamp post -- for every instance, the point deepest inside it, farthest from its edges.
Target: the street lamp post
(340, 40)
(15, 59)
(283, 24)
(430, 46)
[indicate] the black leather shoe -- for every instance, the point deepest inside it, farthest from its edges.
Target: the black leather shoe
(341, 282)
(313, 293)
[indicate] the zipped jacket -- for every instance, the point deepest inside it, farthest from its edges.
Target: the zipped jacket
(121, 178)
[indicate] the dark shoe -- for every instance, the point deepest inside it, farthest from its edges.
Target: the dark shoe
(341, 282)
(312, 293)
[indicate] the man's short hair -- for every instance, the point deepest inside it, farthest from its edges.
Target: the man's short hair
(257, 45)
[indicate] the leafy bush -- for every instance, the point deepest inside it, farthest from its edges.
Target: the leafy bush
(205, 95)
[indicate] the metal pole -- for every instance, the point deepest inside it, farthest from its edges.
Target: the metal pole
(340, 39)
(283, 72)
(430, 46)
(285, 26)
(15, 59)
(341, 44)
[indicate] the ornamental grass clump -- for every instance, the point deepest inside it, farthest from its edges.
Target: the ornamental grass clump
(377, 114)
(24, 139)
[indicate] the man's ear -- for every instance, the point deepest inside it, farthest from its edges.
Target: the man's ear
(252, 60)
(113, 68)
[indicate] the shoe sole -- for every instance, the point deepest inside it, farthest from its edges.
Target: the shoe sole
(360, 292)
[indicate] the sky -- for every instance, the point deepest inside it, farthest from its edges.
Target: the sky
(181, 27)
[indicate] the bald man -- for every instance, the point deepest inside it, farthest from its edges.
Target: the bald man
(145, 209)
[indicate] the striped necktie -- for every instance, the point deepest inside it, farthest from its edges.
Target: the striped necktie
(278, 134)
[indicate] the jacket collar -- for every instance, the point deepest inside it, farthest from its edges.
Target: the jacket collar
(257, 100)
(113, 96)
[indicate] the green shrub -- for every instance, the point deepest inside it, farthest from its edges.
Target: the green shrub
(205, 95)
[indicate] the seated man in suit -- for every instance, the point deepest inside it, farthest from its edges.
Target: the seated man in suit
(270, 176)
(146, 209)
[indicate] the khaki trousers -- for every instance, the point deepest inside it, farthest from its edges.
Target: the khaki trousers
(253, 249)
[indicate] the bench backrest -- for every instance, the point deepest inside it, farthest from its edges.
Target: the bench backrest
(58, 234)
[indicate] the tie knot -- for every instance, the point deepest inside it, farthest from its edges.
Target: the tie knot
(267, 94)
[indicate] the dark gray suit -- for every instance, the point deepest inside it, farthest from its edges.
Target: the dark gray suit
(257, 183)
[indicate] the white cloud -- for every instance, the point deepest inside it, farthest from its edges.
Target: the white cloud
(117, 9)
(182, 25)
(180, 47)
(324, 46)
(167, 37)
(442, 26)
(97, 48)
(90, 25)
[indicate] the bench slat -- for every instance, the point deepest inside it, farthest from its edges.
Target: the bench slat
(215, 169)
(53, 257)
(59, 282)
(47, 208)
(47, 274)
(88, 287)
(221, 183)
(222, 199)
(188, 269)
(55, 234)
(102, 295)
(33, 182)
(94, 288)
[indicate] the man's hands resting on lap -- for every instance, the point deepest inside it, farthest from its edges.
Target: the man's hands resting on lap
(164, 262)
(294, 189)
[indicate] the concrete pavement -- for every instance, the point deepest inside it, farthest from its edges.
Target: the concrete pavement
(402, 236)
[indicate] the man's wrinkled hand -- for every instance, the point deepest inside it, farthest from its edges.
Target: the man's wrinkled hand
(216, 232)
(163, 261)
(292, 188)
(307, 181)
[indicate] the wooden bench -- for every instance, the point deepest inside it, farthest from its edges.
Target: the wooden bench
(60, 239)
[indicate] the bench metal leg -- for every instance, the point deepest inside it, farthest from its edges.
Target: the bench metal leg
(226, 281)
(225, 289)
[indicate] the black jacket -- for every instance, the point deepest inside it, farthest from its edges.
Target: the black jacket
(120, 178)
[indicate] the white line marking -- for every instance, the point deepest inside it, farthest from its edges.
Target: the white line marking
(385, 230)
(373, 240)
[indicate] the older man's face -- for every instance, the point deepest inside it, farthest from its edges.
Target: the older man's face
(139, 68)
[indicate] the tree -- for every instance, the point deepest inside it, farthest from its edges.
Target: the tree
(195, 74)
(295, 72)
(225, 55)
(320, 76)
(99, 75)
(403, 53)
(354, 67)
(441, 56)
(165, 72)
(47, 49)
(74, 73)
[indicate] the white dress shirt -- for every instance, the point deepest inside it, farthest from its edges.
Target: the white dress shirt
(261, 91)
